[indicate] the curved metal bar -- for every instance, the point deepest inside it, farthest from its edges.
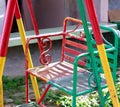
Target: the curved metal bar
(90, 79)
(45, 58)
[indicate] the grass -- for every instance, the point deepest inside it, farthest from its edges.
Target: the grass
(11, 87)
(14, 88)
(10, 83)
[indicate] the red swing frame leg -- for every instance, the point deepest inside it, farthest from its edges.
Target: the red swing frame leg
(43, 95)
(27, 86)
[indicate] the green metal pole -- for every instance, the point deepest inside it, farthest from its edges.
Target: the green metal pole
(90, 49)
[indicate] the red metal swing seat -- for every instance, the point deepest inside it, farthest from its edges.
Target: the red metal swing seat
(60, 73)
(73, 73)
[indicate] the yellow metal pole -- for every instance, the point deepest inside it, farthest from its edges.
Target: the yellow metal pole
(2, 63)
(23, 38)
(102, 52)
(108, 75)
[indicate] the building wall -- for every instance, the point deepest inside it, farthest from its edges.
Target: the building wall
(114, 4)
(2, 13)
(51, 13)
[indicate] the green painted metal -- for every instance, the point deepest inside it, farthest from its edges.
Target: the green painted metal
(91, 56)
(90, 49)
(93, 59)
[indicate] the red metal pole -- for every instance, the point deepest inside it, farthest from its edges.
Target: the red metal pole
(44, 93)
(36, 29)
(4, 39)
(94, 21)
(34, 21)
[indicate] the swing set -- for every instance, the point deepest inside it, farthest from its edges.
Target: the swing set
(88, 61)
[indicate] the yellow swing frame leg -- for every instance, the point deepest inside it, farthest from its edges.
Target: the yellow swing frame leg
(15, 8)
(23, 38)
(108, 75)
(2, 63)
